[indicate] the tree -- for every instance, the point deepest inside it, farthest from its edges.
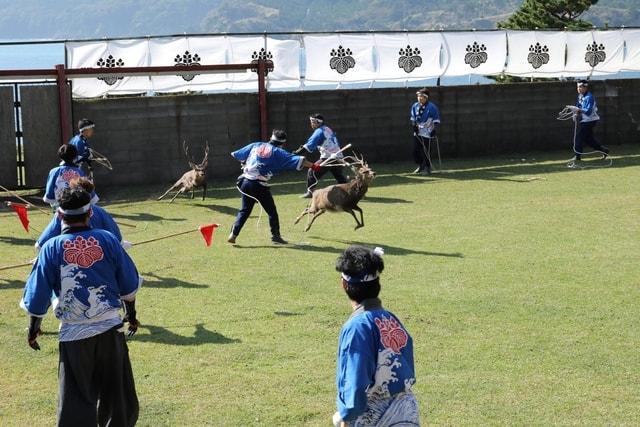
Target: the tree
(547, 14)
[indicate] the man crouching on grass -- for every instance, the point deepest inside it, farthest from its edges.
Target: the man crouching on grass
(90, 274)
(375, 352)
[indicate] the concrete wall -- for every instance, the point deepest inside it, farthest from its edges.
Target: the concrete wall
(41, 129)
(142, 136)
(8, 155)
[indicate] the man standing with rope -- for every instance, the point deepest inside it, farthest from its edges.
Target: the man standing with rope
(587, 118)
(262, 160)
(425, 119)
(322, 139)
(81, 143)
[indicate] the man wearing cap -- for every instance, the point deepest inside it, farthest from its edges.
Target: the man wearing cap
(92, 277)
(263, 160)
(375, 370)
(80, 141)
(60, 176)
(425, 120)
(587, 117)
(322, 139)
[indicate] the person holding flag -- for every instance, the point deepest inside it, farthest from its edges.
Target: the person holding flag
(262, 161)
(92, 276)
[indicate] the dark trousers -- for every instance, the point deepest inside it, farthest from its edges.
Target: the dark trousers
(96, 382)
(420, 150)
(263, 195)
(584, 136)
(313, 178)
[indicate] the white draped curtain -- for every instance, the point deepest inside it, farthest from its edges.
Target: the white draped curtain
(475, 52)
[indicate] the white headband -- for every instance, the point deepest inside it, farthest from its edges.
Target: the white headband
(367, 277)
(314, 120)
(79, 211)
(580, 84)
(87, 127)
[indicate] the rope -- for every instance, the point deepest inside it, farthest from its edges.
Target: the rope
(570, 112)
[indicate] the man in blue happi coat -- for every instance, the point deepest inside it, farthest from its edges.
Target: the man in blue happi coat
(324, 140)
(92, 277)
(375, 370)
(86, 129)
(587, 117)
(60, 176)
(425, 119)
(263, 160)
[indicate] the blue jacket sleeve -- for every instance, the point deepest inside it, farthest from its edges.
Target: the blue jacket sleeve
(126, 274)
(288, 161)
(412, 114)
(587, 105)
(40, 284)
(49, 194)
(436, 113)
(356, 371)
(243, 153)
(316, 139)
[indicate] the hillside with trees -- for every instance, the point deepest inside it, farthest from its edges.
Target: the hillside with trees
(77, 19)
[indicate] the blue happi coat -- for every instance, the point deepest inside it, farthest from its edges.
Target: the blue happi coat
(375, 369)
(587, 105)
(58, 180)
(82, 146)
(264, 160)
(424, 117)
(323, 139)
(89, 272)
(99, 219)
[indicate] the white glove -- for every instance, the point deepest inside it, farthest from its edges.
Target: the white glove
(337, 419)
(333, 156)
(126, 245)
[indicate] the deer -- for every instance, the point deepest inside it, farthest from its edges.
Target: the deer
(341, 197)
(196, 177)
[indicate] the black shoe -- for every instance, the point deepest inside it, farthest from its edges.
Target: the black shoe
(278, 240)
(605, 153)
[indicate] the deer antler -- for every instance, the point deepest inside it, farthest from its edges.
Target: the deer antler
(205, 159)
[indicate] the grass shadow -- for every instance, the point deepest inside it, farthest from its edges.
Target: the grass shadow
(11, 284)
(160, 282)
(389, 200)
(144, 217)
(226, 210)
(17, 241)
(160, 335)
(392, 250)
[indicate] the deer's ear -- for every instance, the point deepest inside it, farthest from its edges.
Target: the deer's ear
(192, 165)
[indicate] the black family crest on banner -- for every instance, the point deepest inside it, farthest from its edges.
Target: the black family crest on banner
(341, 59)
(187, 60)
(538, 55)
(595, 54)
(476, 55)
(409, 59)
(265, 55)
(110, 62)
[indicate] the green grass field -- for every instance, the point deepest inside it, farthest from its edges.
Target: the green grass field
(517, 278)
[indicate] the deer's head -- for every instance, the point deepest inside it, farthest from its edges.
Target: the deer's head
(201, 167)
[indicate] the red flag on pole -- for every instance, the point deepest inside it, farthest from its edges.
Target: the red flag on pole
(21, 210)
(207, 232)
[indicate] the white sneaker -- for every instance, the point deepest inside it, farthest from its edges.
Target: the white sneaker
(231, 238)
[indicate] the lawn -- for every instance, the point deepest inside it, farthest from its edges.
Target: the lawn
(517, 277)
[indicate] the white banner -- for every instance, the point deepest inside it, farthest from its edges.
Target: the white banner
(594, 53)
(536, 53)
(188, 51)
(475, 52)
(286, 60)
(108, 54)
(339, 58)
(408, 56)
(632, 57)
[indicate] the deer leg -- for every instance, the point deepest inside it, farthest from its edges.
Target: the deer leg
(193, 192)
(204, 191)
(182, 190)
(174, 186)
(361, 224)
(313, 218)
(304, 212)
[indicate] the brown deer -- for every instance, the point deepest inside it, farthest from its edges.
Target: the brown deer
(196, 177)
(341, 197)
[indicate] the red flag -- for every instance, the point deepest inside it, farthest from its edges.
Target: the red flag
(207, 232)
(21, 210)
